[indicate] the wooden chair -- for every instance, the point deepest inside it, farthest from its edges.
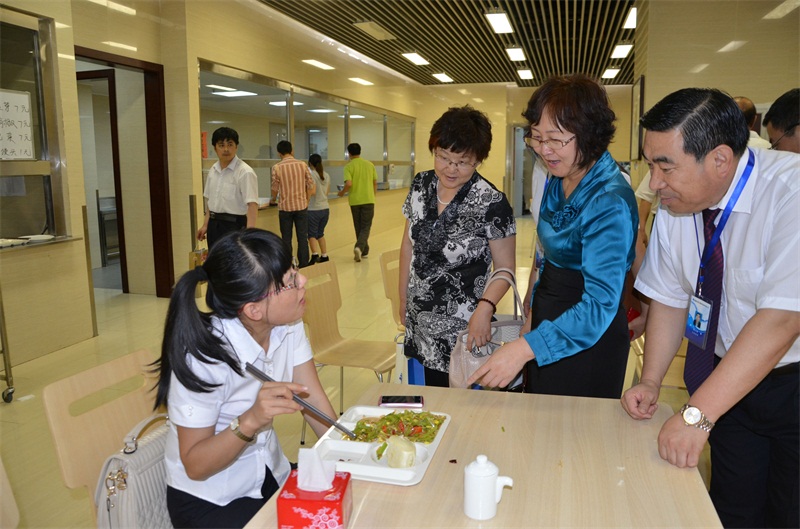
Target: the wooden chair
(390, 270)
(9, 512)
(90, 413)
(323, 301)
(674, 376)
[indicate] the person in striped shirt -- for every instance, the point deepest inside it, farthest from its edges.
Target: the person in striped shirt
(292, 187)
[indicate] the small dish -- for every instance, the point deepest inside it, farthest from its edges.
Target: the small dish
(38, 238)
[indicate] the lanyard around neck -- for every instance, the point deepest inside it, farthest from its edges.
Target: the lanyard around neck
(724, 218)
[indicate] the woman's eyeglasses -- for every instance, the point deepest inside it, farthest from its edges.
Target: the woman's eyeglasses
(461, 166)
(290, 284)
(554, 145)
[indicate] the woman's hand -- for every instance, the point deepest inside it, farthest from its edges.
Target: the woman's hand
(274, 398)
(503, 366)
(480, 326)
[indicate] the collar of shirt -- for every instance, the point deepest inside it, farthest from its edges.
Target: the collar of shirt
(248, 350)
(745, 202)
(232, 166)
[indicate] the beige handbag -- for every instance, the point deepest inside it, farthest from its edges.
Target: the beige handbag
(464, 362)
(132, 489)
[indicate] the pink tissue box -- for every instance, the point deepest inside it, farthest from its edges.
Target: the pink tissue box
(327, 509)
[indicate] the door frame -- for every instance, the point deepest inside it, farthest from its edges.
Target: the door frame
(157, 164)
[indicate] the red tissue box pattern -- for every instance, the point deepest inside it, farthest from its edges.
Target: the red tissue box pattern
(327, 509)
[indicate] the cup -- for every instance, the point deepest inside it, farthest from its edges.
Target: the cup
(483, 488)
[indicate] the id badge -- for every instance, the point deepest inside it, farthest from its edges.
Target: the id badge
(697, 321)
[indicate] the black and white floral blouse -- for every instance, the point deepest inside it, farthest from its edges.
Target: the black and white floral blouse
(450, 262)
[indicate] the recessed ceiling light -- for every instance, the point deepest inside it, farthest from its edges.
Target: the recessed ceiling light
(477, 99)
(443, 77)
(314, 130)
(499, 22)
(216, 122)
(361, 81)
(115, 6)
(321, 110)
(630, 20)
(283, 103)
(235, 93)
(783, 9)
(621, 51)
(699, 68)
(610, 73)
(525, 74)
(732, 45)
(464, 91)
(120, 45)
(218, 87)
(375, 30)
(515, 54)
(416, 58)
(356, 116)
(320, 65)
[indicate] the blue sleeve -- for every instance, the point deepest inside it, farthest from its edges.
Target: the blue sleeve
(607, 242)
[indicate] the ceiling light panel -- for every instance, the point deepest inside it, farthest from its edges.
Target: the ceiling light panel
(320, 65)
(732, 46)
(218, 87)
(782, 10)
(610, 73)
(235, 93)
(416, 58)
(525, 74)
(499, 22)
(375, 30)
(361, 81)
(630, 20)
(443, 77)
(621, 51)
(515, 54)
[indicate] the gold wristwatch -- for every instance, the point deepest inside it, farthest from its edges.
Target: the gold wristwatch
(694, 417)
(238, 433)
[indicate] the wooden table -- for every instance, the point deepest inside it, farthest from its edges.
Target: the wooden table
(576, 462)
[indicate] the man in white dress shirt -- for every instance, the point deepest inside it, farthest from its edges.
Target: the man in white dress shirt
(747, 407)
(751, 116)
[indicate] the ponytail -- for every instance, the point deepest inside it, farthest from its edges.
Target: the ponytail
(315, 161)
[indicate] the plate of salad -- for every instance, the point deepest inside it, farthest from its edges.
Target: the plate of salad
(370, 457)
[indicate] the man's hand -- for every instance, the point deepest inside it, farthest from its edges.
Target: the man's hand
(641, 401)
(680, 444)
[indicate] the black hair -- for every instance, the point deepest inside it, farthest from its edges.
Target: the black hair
(241, 267)
(315, 161)
(784, 114)
(284, 147)
(354, 149)
(705, 117)
(224, 134)
(462, 130)
(579, 104)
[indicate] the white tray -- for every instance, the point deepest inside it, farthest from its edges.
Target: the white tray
(360, 459)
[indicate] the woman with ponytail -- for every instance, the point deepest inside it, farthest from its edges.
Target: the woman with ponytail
(223, 457)
(318, 211)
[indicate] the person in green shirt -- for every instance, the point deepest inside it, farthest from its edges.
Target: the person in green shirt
(361, 181)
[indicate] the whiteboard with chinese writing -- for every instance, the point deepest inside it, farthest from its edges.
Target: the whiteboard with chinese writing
(16, 132)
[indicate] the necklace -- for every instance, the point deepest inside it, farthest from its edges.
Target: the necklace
(442, 202)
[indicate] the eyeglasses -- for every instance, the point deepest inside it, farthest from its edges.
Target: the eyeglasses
(555, 145)
(461, 166)
(292, 283)
(774, 144)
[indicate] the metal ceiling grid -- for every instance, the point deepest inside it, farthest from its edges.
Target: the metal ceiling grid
(557, 36)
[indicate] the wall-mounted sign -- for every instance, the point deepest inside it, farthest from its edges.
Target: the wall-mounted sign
(16, 130)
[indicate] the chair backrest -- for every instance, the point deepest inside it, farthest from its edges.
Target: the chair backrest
(323, 301)
(91, 412)
(390, 270)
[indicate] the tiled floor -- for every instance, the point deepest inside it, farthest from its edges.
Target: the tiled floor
(130, 322)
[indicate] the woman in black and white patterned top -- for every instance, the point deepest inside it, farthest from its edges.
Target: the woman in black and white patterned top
(458, 226)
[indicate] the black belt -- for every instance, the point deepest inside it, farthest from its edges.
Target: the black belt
(226, 217)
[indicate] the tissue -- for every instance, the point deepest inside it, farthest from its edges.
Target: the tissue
(314, 474)
(331, 508)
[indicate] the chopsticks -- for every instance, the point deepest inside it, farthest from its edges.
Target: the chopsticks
(263, 377)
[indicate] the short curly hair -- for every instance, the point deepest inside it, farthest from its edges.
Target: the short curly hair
(579, 104)
(462, 130)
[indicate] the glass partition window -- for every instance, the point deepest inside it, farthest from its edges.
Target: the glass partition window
(400, 149)
(319, 128)
(366, 129)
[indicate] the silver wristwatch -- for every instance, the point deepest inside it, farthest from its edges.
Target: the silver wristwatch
(694, 417)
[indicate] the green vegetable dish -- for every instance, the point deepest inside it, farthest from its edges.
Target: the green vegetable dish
(419, 427)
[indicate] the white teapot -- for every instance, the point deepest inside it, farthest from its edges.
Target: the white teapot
(483, 488)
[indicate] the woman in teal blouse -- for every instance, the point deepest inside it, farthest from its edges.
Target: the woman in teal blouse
(578, 343)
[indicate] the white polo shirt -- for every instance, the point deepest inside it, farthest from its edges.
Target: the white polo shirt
(288, 348)
(760, 245)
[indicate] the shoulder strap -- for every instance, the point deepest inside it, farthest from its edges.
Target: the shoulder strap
(132, 439)
(499, 274)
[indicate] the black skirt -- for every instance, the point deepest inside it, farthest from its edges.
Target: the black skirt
(598, 371)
